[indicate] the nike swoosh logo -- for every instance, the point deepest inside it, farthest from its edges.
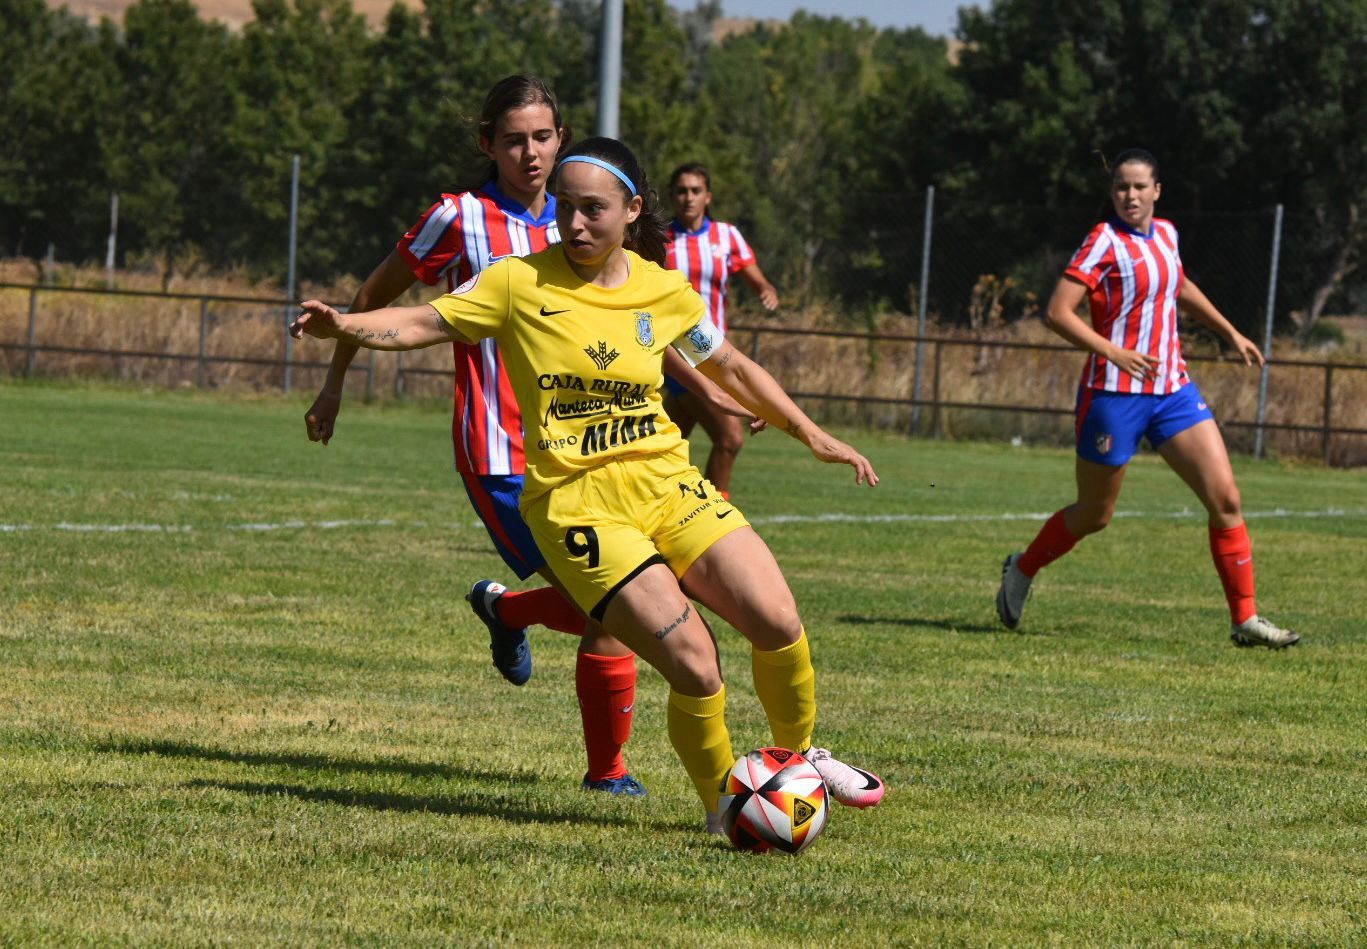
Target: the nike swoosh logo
(546, 312)
(628, 709)
(721, 514)
(1240, 563)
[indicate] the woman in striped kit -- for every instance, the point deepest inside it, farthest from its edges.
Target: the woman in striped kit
(1135, 385)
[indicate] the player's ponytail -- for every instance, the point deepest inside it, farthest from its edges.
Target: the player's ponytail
(645, 235)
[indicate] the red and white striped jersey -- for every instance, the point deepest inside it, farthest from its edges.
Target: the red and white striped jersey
(1133, 281)
(455, 239)
(708, 257)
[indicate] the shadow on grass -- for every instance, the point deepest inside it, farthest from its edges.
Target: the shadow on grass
(417, 769)
(923, 622)
(409, 803)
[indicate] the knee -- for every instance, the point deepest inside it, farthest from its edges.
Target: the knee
(695, 669)
(776, 628)
(729, 442)
(1090, 518)
(1224, 502)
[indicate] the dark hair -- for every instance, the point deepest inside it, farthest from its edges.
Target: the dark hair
(516, 92)
(1141, 155)
(645, 235)
(690, 168)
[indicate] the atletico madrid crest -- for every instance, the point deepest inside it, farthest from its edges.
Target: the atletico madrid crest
(1103, 443)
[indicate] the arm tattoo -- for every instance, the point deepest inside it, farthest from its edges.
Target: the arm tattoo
(363, 335)
(792, 428)
(442, 325)
(724, 358)
(683, 618)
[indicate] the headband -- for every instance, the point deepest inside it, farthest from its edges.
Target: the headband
(590, 160)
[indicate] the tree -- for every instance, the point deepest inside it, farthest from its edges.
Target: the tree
(57, 81)
(166, 142)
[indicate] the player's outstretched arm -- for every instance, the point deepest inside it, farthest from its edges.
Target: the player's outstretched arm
(768, 296)
(395, 328)
(1193, 301)
(759, 392)
(384, 285)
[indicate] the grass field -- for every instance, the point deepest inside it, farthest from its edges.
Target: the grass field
(243, 700)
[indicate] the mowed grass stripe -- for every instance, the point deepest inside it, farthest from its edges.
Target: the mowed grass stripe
(296, 736)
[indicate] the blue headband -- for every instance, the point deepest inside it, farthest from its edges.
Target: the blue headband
(590, 160)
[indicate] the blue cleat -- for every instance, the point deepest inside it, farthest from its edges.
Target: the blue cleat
(626, 784)
(512, 652)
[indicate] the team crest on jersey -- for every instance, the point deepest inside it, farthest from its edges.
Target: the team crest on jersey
(701, 340)
(602, 357)
(1103, 444)
(645, 329)
(467, 286)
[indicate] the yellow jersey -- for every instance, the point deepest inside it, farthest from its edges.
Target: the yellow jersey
(585, 362)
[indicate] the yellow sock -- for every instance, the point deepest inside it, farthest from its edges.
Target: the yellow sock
(786, 685)
(697, 730)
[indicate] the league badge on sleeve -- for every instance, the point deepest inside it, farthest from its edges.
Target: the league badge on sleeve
(466, 287)
(645, 330)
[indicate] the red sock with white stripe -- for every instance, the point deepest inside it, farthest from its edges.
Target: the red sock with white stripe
(541, 607)
(606, 686)
(1052, 542)
(1232, 552)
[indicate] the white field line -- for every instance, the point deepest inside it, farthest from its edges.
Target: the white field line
(832, 518)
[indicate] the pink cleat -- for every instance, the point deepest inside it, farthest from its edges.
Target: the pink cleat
(849, 785)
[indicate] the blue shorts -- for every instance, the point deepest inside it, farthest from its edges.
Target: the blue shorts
(1110, 424)
(495, 499)
(674, 387)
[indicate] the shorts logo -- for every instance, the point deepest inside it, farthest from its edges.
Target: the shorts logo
(1103, 443)
(702, 343)
(1201, 406)
(645, 331)
(601, 357)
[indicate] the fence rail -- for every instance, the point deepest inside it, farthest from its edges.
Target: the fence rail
(1325, 426)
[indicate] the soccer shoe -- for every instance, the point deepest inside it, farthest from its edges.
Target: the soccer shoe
(1013, 592)
(626, 784)
(849, 785)
(1256, 631)
(713, 825)
(512, 652)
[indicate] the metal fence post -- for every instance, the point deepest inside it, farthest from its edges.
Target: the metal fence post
(754, 347)
(1258, 447)
(921, 314)
(201, 367)
(30, 352)
(398, 375)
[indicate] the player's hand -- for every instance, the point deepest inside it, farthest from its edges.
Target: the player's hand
(321, 418)
(317, 319)
(833, 451)
(1140, 366)
(1248, 350)
(757, 425)
(768, 298)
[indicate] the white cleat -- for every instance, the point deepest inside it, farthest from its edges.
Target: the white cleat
(849, 785)
(714, 824)
(1013, 593)
(1256, 631)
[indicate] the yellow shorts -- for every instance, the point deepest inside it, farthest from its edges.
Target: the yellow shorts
(601, 528)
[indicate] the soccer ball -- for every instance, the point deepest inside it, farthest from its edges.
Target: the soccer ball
(773, 799)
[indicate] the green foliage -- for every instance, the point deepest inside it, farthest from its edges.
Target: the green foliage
(822, 133)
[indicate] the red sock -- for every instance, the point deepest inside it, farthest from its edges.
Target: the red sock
(607, 695)
(541, 607)
(1232, 552)
(1051, 543)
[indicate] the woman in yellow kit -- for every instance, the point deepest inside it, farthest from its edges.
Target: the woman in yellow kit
(624, 521)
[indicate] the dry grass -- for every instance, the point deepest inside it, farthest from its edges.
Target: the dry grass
(982, 371)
